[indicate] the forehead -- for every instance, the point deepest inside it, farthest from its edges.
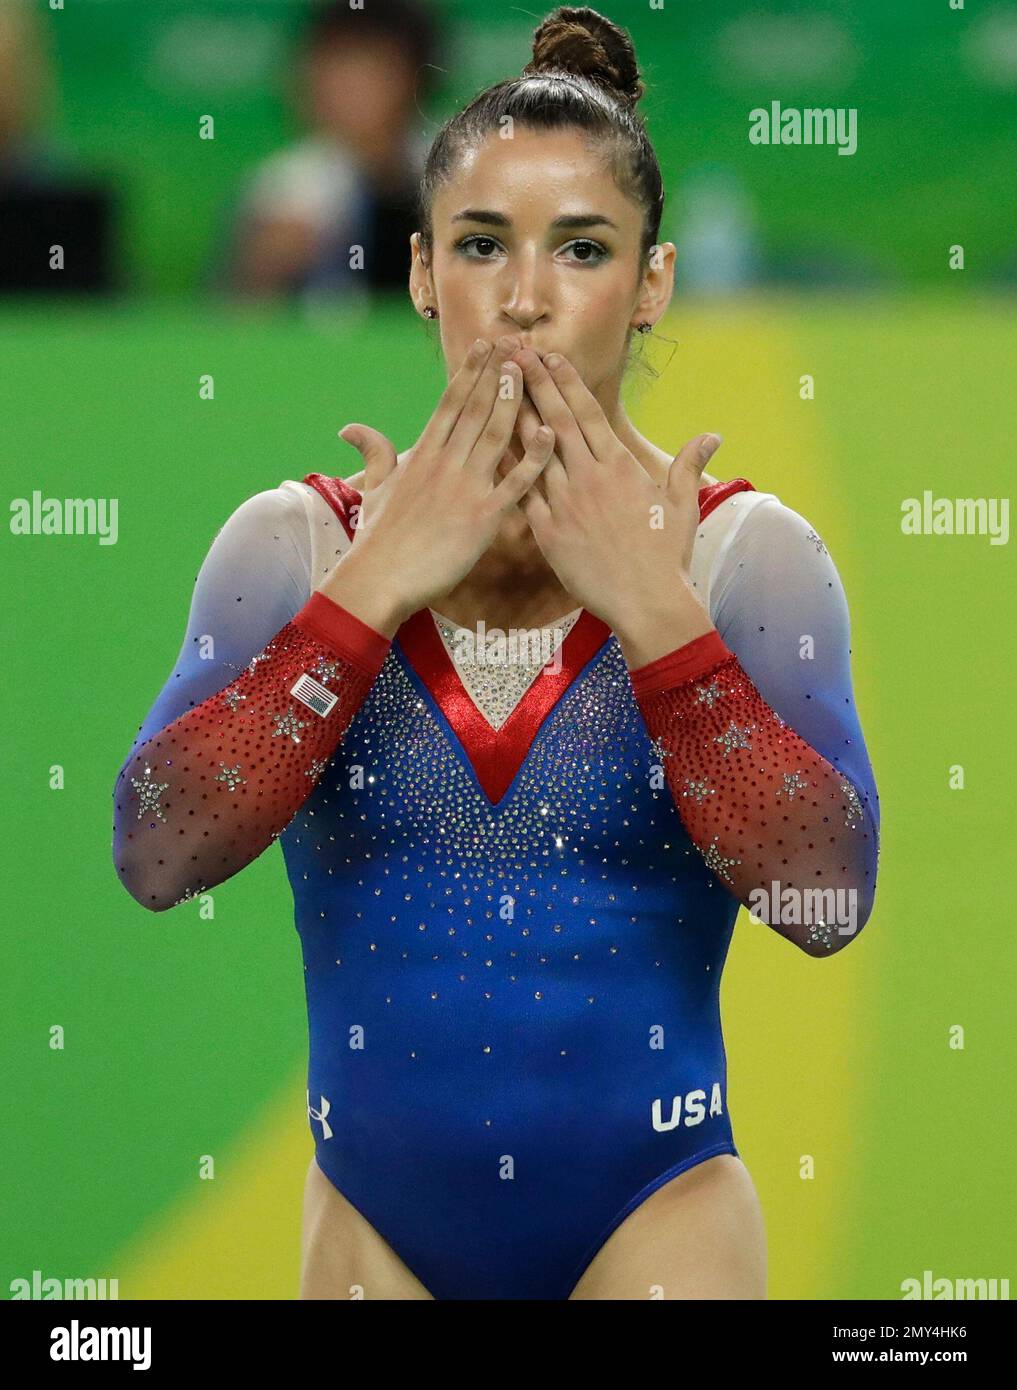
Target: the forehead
(535, 177)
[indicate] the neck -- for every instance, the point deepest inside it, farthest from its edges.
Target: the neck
(647, 455)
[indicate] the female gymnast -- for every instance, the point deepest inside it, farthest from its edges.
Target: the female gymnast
(515, 879)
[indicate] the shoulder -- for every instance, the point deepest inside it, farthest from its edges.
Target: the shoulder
(770, 523)
(747, 536)
(771, 559)
(272, 507)
(723, 507)
(737, 507)
(269, 526)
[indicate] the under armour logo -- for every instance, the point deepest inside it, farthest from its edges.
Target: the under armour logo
(326, 1106)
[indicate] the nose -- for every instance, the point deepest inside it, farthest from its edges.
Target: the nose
(525, 300)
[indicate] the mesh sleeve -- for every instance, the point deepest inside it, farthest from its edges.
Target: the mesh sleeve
(759, 741)
(224, 760)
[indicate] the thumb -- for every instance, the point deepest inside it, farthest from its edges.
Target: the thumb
(687, 469)
(378, 453)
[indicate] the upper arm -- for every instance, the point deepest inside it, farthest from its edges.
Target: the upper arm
(253, 580)
(781, 608)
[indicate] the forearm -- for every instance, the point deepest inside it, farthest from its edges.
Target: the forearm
(775, 821)
(208, 793)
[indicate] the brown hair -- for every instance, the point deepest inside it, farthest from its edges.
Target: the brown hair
(583, 74)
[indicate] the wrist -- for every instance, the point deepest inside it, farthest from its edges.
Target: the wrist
(656, 628)
(357, 584)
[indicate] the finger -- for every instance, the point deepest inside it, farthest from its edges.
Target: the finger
(537, 513)
(517, 484)
(572, 447)
(600, 438)
(450, 404)
(496, 436)
(528, 421)
(554, 476)
(493, 382)
(378, 453)
(527, 424)
(685, 474)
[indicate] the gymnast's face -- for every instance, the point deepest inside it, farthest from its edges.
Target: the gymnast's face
(532, 237)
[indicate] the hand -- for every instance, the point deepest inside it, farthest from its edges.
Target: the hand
(426, 521)
(617, 541)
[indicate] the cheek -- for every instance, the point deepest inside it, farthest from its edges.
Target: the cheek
(468, 302)
(599, 321)
(465, 313)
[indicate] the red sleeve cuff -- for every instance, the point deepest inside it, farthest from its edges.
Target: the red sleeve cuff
(344, 633)
(686, 663)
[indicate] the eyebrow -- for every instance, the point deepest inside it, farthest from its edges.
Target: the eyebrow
(498, 219)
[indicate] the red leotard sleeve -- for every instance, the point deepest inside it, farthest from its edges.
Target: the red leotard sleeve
(209, 792)
(758, 734)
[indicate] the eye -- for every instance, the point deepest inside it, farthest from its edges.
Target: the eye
(484, 246)
(587, 252)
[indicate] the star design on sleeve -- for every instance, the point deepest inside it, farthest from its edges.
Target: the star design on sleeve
(149, 794)
(325, 670)
(820, 935)
(733, 738)
(853, 810)
(699, 791)
(230, 775)
(188, 894)
(260, 656)
(317, 768)
(658, 750)
(233, 699)
(288, 724)
(793, 782)
(708, 695)
(717, 863)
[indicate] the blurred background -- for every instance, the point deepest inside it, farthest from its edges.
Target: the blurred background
(319, 123)
(206, 164)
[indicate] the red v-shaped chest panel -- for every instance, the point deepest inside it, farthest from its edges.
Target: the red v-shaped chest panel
(496, 755)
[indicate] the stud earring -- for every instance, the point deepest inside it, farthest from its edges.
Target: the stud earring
(643, 327)
(430, 312)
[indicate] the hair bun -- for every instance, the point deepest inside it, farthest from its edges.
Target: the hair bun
(581, 41)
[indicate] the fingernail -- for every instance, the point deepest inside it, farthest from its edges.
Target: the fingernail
(709, 446)
(553, 359)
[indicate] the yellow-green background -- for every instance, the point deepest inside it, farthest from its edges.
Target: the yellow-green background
(186, 1037)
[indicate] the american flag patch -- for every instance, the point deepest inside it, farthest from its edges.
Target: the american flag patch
(313, 694)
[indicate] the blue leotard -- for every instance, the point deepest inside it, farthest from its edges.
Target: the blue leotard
(512, 943)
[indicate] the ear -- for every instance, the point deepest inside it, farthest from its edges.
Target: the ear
(657, 284)
(421, 284)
